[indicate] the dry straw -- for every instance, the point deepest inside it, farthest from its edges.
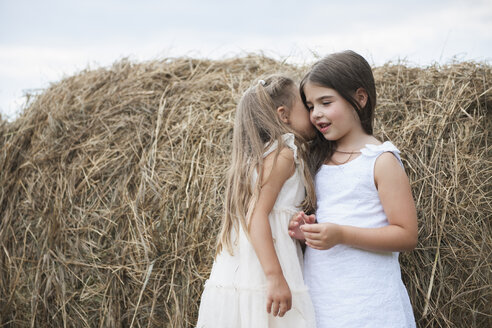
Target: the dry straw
(112, 186)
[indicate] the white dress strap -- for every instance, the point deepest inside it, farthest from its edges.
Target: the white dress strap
(288, 139)
(376, 150)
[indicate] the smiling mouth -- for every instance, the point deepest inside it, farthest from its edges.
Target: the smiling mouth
(323, 127)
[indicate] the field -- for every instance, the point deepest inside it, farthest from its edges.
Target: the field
(112, 184)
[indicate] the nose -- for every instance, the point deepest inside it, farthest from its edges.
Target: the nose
(315, 113)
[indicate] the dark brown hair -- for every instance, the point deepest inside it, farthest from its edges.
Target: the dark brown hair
(345, 72)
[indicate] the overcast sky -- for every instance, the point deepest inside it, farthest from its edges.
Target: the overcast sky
(41, 41)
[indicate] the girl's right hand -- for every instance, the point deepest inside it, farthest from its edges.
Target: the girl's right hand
(279, 297)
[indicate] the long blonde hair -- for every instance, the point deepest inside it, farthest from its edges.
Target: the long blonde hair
(257, 125)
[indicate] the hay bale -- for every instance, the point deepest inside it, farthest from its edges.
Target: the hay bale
(112, 185)
(3, 127)
(441, 117)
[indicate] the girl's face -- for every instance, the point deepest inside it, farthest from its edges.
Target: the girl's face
(299, 119)
(330, 113)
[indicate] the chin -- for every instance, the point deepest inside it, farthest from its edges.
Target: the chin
(328, 137)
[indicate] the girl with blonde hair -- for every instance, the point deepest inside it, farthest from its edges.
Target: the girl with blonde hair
(256, 278)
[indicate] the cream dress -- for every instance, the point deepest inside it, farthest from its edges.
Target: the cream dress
(235, 293)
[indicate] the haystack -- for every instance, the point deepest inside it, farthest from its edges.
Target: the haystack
(112, 184)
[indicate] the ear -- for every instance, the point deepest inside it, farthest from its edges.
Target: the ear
(283, 114)
(361, 97)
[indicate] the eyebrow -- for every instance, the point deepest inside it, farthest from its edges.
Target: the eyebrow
(322, 98)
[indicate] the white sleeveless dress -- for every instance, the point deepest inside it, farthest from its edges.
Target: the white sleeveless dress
(351, 287)
(235, 293)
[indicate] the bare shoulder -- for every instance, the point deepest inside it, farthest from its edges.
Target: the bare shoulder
(281, 168)
(389, 169)
(286, 155)
(387, 160)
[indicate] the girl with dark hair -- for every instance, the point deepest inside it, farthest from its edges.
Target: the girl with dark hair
(365, 211)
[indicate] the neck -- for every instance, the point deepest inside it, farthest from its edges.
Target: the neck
(353, 141)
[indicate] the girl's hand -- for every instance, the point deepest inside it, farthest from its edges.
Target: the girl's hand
(296, 222)
(322, 235)
(279, 297)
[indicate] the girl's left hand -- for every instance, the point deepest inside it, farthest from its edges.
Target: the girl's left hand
(322, 235)
(297, 221)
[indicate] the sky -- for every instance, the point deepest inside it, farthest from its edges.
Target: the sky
(43, 41)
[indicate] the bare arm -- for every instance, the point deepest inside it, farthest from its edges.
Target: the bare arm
(279, 298)
(396, 197)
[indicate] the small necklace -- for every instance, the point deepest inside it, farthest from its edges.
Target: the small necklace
(350, 153)
(341, 163)
(347, 152)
